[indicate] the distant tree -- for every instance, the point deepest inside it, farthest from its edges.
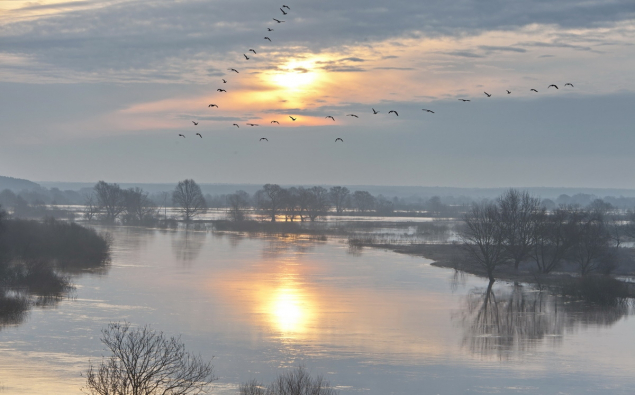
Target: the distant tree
(434, 206)
(518, 218)
(483, 237)
(318, 202)
(7, 198)
(146, 362)
(238, 203)
(111, 199)
(3, 216)
(139, 207)
(271, 199)
(294, 382)
(290, 204)
(384, 206)
(339, 197)
(548, 204)
(303, 201)
(590, 250)
(91, 209)
(188, 197)
(364, 201)
(554, 235)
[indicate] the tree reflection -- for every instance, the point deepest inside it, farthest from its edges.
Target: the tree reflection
(513, 319)
(187, 245)
(13, 308)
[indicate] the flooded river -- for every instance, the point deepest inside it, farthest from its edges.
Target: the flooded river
(371, 321)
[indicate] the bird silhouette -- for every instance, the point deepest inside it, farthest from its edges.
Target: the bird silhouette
(488, 95)
(234, 70)
(396, 113)
(263, 138)
(224, 81)
(375, 112)
(221, 90)
(267, 38)
(330, 116)
(339, 139)
(279, 21)
(235, 124)
(428, 110)
(181, 135)
(269, 29)
(213, 105)
(532, 89)
(569, 84)
(554, 85)
(286, 6)
(252, 50)
(352, 115)
(252, 124)
(246, 57)
(195, 123)
(464, 99)
(293, 119)
(508, 92)
(199, 135)
(283, 12)
(275, 122)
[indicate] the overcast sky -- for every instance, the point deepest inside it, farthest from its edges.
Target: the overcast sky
(98, 89)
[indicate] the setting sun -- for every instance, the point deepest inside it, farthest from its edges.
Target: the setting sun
(295, 75)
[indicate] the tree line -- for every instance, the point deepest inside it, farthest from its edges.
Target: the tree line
(517, 229)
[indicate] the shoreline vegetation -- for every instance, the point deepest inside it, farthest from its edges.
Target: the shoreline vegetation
(37, 260)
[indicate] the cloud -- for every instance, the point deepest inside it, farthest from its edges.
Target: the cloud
(490, 48)
(464, 54)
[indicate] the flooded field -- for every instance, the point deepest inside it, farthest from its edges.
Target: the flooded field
(371, 321)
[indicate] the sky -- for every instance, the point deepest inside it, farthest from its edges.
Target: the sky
(101, 89)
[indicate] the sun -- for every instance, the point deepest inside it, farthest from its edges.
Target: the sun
(295, 75)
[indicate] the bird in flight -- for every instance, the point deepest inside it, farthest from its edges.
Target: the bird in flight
(181, 135)
(508, 92)
(554, 85)
(568, 83)
(293, 119)
(396, 113)
(279, 21)
(275, 122)
(339, 139)
(199, 135)
(195, 123)
(221, 90)
(213, 105)
(224, 81)
(246, 57)
(286, 6)
(428, 110)
(464, 99)
(375, 112)
(263, 138)
(283, 12)
(252, 124)
(269, 29)
(252, 50)
(267, 38)
(236, 125)
(234, 70)
(488, 95)
(330, 116)
(352, 115)
(532, 89)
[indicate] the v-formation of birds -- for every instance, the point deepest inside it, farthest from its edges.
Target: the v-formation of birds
(375, 112)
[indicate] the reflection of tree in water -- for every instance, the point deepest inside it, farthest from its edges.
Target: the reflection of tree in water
(187, 245)
(15, 305)
(298, 243)
(514, 319)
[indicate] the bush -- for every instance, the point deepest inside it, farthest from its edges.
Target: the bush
(601, 290)
(294, 382)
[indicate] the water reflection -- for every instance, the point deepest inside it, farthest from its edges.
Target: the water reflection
(511, 320)
(13, 308)
(187, 245)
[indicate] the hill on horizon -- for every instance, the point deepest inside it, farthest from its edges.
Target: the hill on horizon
(16, 184)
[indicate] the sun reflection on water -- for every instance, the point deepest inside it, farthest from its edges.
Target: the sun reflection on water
(287, 310)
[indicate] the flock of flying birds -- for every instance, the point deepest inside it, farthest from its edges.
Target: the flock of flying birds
(375, 112)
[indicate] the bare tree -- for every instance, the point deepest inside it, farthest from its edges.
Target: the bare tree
(110, 198)
(518, 214)
(271, 199)
(146, 362)
(318, 202)
(294, 382)
(554, 234)
(364, 201)
(188, 196)
(339, 198)
(590, 250)
(291, 208)
(139, 207)
(90, 206)
(483, 237)
(238, 203)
